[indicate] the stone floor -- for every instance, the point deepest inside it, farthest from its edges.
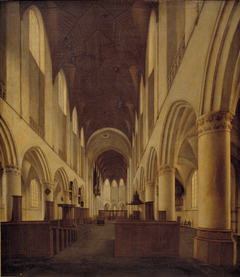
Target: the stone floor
(93, 255)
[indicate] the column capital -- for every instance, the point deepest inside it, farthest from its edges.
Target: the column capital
(65, 192)
(214, 121)
(167, 168)
(11, 169)
(48, 187)
(150, 184)
(48, 184)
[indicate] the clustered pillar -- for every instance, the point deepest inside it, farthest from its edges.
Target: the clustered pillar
(166, 175)
(214, 243)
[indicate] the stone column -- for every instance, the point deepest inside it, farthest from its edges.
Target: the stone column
(150, 192)
(166, 192)
(214, 243)
(49, 204)
(11, 180)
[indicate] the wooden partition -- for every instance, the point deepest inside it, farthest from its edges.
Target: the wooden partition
(81, 216)
(113, 214)
(35, 239)
(26, 239)
(147, 239)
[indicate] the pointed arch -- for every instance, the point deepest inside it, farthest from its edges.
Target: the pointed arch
(75, 121)
(152, 165)
(151, 43)
(35, 157)
(219, 77)
(62, 91)
(82, 138)
(61, 177)
(75, 187)
(121, 183)
(36, 36)
(8, 151)
(179, 121)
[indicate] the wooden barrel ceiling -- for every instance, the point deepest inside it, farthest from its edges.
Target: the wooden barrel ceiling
(101, 47)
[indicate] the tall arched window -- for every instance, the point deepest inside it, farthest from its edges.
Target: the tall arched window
(74, 121)
(34, 193)
(62, 92)
(121, 183)
(36, 62)
(195, 189)
(34, 36)
(82, 138)
(114, 183)
(151, 54)
(107, 192)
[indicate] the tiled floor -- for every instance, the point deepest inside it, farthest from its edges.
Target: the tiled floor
(93, 255)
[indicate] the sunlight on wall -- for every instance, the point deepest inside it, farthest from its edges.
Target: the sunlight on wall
(34, 37)
(34, 194)
(195, 189)
(62, 92)
(75, 121)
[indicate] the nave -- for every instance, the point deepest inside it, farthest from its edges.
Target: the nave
(93, 255)
(102, 100)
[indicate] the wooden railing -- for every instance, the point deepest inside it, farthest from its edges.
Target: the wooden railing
(35, 239)
(113, 214)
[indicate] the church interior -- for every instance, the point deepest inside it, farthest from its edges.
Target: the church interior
(123, 112)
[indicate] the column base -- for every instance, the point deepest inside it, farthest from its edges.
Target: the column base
(149, 211)
(49, 211)
(17, 208)
(216, 247)
(162, 215)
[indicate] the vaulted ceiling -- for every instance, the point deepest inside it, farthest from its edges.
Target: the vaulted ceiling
(101, 47)
(112, 166)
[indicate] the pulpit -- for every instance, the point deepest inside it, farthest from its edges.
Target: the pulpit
(136, 202)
